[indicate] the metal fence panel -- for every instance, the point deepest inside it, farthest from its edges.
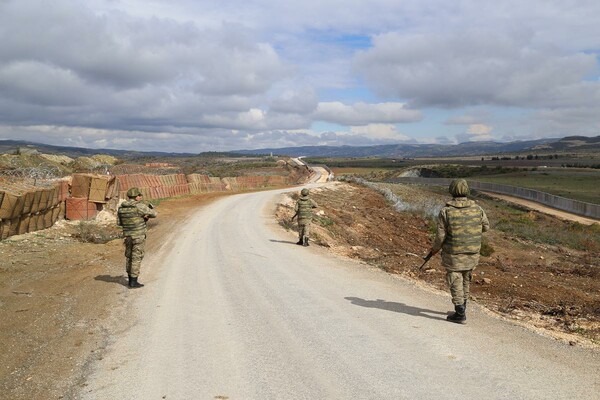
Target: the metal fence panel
(561, 203)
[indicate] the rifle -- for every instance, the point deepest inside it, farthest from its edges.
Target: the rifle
(294, 216)
(426, 258)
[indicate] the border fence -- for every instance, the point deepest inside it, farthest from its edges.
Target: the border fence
(561, 203)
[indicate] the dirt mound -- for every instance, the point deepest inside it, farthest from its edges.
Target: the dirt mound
(105, 159)
(31, 165)
(64, 160)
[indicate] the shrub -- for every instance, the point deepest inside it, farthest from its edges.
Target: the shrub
(90, 232)
(486, 248)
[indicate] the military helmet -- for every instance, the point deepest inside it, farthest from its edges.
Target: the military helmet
(304, 192)
(459, 188)
(134, 192)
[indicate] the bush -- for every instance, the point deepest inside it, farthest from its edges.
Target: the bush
(486, 248)
(90, 232)
(324, 221)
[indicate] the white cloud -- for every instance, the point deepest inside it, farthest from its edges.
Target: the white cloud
(364, 114)
(475, 133)
(379, 131)
(479, 130)
(41, 84)
(293, 101)
(475, 67)
(469, 118)
(240, 74)
(125, 72)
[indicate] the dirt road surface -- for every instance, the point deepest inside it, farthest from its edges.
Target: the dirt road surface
(234, 309)
(321, 175)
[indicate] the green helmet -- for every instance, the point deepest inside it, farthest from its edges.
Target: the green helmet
(459, 188)
(134, 192)
(304, 192)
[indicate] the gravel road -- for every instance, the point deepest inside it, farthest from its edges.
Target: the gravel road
(234, 309)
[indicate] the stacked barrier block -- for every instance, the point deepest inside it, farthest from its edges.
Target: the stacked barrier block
(81, 208)
(88, 194)
(26, 208)
(162, 186)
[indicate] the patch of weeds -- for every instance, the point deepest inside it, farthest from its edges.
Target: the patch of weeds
(432, 226)
(286, 223)
(562, 310)
(577, 329)
(486, 248)
(324, 221)
(586, 271)
(573, 235)
(509, 306)
(317, 239)
(380, 266)
(89, 232)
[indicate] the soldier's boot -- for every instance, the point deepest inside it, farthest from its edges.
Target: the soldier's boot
(305, 241)
(300, 242)
(134, 284)
(459, 315)
(129, 280)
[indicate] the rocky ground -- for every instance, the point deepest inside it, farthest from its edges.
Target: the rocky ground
(63, 297)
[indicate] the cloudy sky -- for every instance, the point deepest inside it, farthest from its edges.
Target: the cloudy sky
(200, 75)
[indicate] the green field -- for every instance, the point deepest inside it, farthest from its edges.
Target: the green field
(578, 184)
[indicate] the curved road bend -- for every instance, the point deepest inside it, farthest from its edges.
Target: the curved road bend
(233, 309)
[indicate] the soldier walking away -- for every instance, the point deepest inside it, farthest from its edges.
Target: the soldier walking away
(132, 216)
(459, 229)
(304, 207)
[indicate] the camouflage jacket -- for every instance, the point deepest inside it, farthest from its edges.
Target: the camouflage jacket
(304, 207)
(132, 216)
(459, 229)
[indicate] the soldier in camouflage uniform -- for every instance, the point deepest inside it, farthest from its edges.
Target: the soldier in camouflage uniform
(459, 228)
(304, 207)
(132, 217)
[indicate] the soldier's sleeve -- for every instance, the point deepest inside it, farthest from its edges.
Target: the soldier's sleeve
(485, 223)
(440, 235)
(145, 210)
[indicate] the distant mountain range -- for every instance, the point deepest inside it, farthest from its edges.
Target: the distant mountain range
(570, 143)
(540, 146)
(10, 146)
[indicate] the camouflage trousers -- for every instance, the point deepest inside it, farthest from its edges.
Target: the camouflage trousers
(460, 283)
(303, 230)
(134, 253)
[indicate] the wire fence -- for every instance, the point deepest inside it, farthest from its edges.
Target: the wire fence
(560, 203)
(32, 175)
